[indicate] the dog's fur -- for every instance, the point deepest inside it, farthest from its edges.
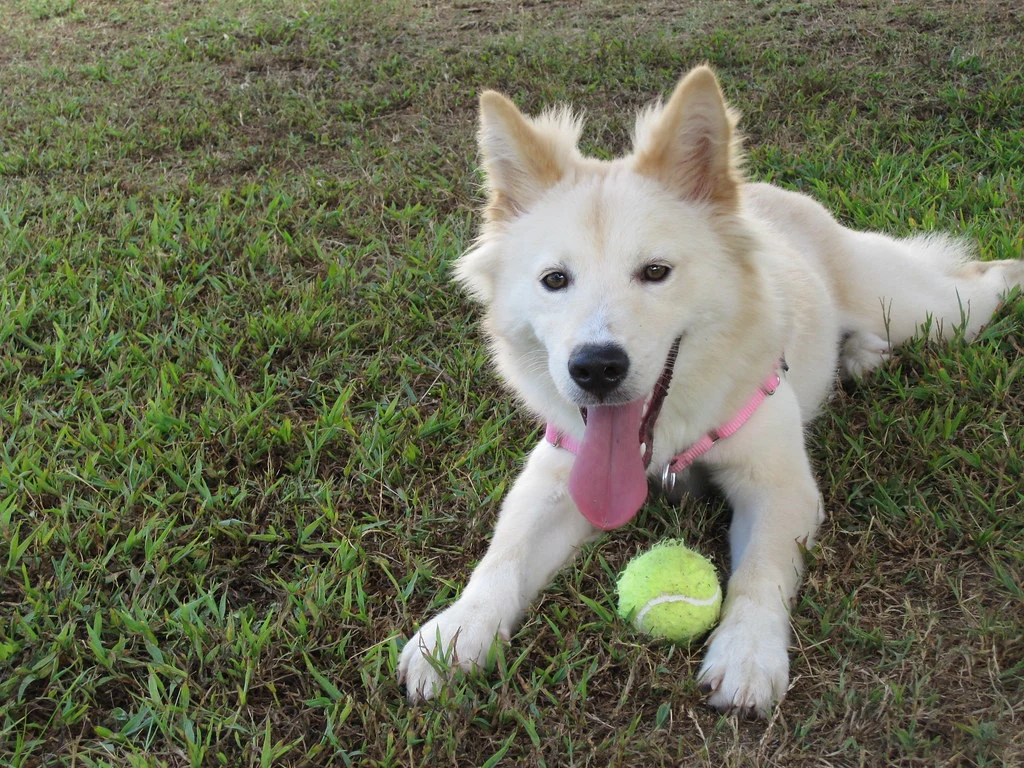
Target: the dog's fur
(755, 272)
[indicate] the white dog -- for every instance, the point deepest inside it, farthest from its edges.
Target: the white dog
(645, 308)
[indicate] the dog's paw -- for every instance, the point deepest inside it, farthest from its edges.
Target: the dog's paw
(459, 638)
(746, 668)
(862, 352)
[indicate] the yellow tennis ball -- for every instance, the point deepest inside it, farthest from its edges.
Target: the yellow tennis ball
(670, 592)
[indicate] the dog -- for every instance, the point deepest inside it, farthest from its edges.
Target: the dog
(658, 310)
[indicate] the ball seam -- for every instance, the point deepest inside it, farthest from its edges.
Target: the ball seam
(663, 599)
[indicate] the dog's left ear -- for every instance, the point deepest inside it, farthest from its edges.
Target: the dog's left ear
(522, 157)
(688, 143)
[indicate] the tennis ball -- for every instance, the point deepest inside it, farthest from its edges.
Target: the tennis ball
(670, 592)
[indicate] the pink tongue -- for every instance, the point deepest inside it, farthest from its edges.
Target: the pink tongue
(608, 482)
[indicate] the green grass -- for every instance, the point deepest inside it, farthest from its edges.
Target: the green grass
(250, 437)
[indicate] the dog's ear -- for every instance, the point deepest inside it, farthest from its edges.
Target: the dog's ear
(689, 143)
(522, 157)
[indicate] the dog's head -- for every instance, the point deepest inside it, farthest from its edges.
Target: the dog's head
(591, 270)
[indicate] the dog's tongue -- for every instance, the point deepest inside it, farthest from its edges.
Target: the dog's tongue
(608, 482)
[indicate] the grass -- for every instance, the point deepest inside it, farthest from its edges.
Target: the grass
(250, 437)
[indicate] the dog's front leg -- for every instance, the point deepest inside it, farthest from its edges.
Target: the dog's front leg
(766, 476)
(539, 529)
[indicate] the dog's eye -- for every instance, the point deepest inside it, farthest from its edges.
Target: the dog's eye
(655, 273)
(555, 280)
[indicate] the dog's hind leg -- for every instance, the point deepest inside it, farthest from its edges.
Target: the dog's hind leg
(888, 288)
(539, 530)
(861, 352)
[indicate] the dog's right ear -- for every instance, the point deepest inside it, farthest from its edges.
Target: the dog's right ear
(522, 157)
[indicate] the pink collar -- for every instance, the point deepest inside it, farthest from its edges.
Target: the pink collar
(681, 461)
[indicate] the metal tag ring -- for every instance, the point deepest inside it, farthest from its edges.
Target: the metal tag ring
(668, 479)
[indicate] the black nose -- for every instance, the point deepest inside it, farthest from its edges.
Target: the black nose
(598, 368)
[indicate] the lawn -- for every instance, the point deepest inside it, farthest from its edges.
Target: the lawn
(249, 435)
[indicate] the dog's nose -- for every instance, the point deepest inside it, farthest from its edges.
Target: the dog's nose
(598, 368)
